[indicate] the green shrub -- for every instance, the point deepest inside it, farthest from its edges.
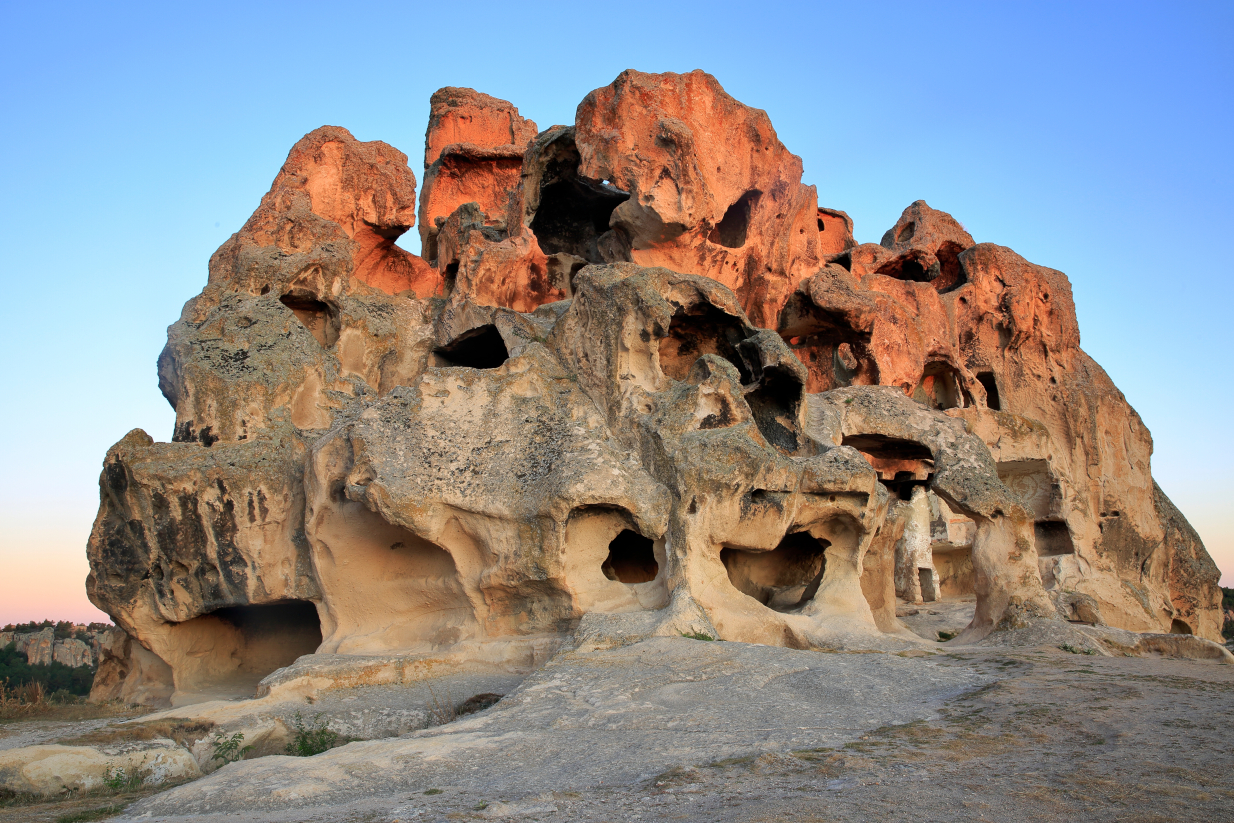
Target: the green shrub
(310, 740)
(120, 781)
(1067, 647)
(697, 636)
(228, 749)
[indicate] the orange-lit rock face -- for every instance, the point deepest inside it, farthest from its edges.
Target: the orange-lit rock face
(980, 331)
(835, 231)
(458, 115)
(713, 191)
(473, 153)
(363, 191)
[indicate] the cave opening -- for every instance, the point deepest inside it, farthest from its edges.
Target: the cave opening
(701, 329)
(734, 226)
(954, 567)
(1179, 627)
(631, 559)
(320, 318)
(885, 447)
(940, 387)
(835, 353)
(274, 634)
(908, 266)
(479, 348)
(573, 214)
(1053, 538)
(237, 646)
(774, 403)
(990, 384)
(950, 272)
(783, 579)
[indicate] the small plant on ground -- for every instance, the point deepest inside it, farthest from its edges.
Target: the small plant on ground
(311, 739)
(441, 709)
(228, 749)
(432, 791)
(943, 637)
(121, 781)
(1067, 647)
(697, 636)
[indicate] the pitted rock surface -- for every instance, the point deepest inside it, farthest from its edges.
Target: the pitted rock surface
(639, 384)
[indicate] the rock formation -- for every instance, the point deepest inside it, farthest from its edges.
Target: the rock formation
(42, 647)
(639, 384)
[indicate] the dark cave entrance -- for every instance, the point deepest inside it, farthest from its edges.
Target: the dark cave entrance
(783, 579)
(631, 559)
(733, 228)
(702, 329)
(480, 348)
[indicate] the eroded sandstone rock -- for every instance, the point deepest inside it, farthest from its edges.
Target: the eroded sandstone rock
(646, 387)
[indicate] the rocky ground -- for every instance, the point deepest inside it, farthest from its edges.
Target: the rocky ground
(696, 731)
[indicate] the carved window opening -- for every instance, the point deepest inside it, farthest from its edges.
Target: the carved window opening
(950, 273)
(320, 318)
(940, 387)
(702, 329)
(783, 579)
(480, 348)
(774, 403)
(734, 227)
(631, 559)
(1053, 538)
(990, 384)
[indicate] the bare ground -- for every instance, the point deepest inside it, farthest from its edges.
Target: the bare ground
(1051, 736)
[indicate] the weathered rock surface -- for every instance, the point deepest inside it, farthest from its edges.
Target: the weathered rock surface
(43, 647)
(613, 717)
(644, 387)
(53, 769)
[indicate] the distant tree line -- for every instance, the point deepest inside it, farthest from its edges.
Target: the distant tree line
(1227, 607)
(16, 671)
(64, 629)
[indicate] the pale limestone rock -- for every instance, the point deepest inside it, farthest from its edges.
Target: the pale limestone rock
(916, 578)
(53, 769)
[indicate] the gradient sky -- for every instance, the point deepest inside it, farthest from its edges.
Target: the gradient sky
(1094, 138)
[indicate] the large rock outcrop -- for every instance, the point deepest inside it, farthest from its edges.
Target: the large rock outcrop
(639, 384)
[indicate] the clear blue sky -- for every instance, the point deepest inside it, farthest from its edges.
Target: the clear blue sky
(1091, 137)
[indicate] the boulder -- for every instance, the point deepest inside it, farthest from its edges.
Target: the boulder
(55, 769)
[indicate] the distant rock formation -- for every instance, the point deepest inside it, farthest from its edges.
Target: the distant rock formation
(638, 384)
(42, 647)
